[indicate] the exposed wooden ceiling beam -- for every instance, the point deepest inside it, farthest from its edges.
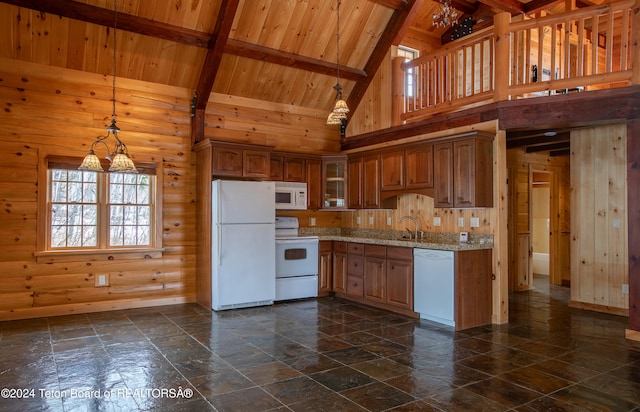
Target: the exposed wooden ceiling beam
(104, 17)
(217, 44)
(394, 26)
(510, 6)
(464, 6)
(256, 52)
(533, 138)
(548, 147)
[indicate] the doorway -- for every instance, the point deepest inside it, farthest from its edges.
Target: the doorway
(540, 224)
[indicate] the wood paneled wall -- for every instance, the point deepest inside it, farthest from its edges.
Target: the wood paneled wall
(59, 111)
(599, 248)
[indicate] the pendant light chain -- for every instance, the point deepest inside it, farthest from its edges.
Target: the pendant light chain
(338, 45)
(115, 29)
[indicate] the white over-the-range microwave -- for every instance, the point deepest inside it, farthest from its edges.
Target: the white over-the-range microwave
(291, 196)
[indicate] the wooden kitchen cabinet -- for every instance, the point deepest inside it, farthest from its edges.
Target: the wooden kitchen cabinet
(399, 277)
(354, 184)
(314, 183)
(443, 171)
(275, 167)
(418, 161)
(371, 182)
(339, 267)
(325, 268)
(463, 170)
(473, 288)
(238, 160)
(334, 181)
(375, 273)
(294, 169)
(392, 170)
(355, 270)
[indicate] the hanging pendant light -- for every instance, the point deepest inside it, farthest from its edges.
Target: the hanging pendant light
(339, 113)
(119, 155)
(447, 15)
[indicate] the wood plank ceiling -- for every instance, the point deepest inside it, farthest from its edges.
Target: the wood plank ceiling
(280, 51)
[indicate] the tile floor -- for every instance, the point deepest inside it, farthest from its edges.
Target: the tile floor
(324, 355)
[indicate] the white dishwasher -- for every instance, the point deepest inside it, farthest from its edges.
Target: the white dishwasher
(433, 285)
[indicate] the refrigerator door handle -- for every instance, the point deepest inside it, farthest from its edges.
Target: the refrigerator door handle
(219, 245)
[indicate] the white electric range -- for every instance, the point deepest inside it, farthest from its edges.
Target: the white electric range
(296, 261)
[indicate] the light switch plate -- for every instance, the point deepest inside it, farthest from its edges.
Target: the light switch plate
(358, 219)
(437, 221)
(388, 220)
(460, 222)
(475, 222)
(370, 220)
(312, 221)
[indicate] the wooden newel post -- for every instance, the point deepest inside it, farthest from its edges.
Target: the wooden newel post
(397, 90)
(635, 42)
(501, 35)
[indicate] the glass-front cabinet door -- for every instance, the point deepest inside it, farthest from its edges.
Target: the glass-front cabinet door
(334, 182)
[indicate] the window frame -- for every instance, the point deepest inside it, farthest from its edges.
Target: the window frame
(44, 252)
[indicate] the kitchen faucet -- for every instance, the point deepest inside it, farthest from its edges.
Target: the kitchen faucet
(413, 219)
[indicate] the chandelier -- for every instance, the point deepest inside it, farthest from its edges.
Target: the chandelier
(340, 109)
(447, 15)
(119, 155)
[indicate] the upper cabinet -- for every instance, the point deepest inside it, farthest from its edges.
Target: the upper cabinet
(314, 183)
(464, 172)
(334, 183)
(294, 169)
(392, 171)
(418, 163)
(354, 184)
(371, 181)
(235, 160)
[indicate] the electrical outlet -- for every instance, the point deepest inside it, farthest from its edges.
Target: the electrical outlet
(475, 222)
(388, 220)
(358, 220)
(464, 237)
(312, 221)
(102, 280)
(616, 223)
(460, 222)
(437, 221)
(625, 289)
(370, 220)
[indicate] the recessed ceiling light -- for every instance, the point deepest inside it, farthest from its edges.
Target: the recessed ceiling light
(550, 133)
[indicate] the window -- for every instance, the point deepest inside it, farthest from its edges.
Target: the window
(408, 54)
(93, 211)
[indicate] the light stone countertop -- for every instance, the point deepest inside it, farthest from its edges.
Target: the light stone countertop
(437, 241)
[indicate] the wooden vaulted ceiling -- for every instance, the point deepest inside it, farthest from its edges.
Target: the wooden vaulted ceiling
(280, 51)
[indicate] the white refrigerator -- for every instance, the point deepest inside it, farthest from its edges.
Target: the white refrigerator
(243, 244)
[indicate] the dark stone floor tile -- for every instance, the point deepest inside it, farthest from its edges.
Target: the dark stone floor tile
(269, 373)
(328, 344)
(360, 338)
(342, 378)
(74, 333)
(564, 370)
(546, 404)
(592, 399)
(464, 400)
(297, 390)
(377, 396)
(385, 348)
(417, 406)
(331, 402)
(312, 363)
(219, 382)
(419, 385)
(613, 383)
(382, 369)
(336, 329)
(351, 355)
(36, 403)
(595, 362)
(252, 399)
(503, 392)
(251, 357)
(202, 366)
(489, 365)
(536, 380)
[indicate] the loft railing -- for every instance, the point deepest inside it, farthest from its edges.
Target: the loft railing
(586, 49)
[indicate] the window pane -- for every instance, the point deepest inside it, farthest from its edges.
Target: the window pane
(58, 214)
(59, 192)
(74, 236)
(116, 193)
(90, 194)
(90, 215)
(130, 237)
(116, 236)
(75, 192)
(75, 215)
(144, 217)
(144, 235)
(75, 175)
(130, 194)
(130, 215)
(58, 236)
(90, 236)
(116, 215)
(59, 175)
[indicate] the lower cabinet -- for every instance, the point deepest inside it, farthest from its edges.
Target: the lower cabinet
(325, 269)
(378, 275)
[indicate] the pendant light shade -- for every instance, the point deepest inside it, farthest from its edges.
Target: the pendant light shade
(119, 155)
(339, 113)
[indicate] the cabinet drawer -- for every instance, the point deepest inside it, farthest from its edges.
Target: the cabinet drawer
(401, 253)
(375, 250)
(340, 247)
(355, 248)
(355, 265)
(324, 246)
(355, 286)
